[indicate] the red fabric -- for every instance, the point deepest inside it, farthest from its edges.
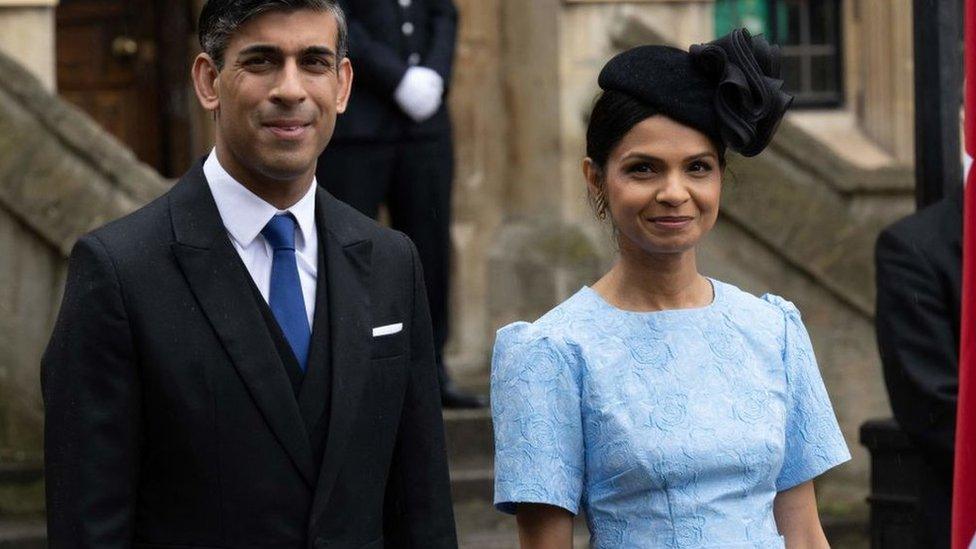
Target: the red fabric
(964, 484)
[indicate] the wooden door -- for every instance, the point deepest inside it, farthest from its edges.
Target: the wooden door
(125, 63)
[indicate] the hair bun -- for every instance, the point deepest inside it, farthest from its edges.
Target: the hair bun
(749, 99)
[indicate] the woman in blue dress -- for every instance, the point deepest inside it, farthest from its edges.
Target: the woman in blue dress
(674, 410)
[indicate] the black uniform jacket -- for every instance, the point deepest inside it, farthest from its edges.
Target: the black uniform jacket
(919, 279)
(381, 52)
(171, 417)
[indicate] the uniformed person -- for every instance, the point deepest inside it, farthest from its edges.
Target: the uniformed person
(394, 146)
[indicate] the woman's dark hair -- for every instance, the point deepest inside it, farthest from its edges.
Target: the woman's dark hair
(614, 114)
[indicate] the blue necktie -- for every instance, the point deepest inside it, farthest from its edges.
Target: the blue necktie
(285, 298)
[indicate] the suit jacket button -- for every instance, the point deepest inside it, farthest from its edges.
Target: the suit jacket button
(408, 28)
(414, 59)
(405, 4)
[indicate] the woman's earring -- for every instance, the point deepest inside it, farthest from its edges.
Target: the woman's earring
(601, 207)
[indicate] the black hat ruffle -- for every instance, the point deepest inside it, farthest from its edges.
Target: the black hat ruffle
(749, 99)
(728, 89)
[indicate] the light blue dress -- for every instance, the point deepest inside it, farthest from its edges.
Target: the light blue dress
(670, 429)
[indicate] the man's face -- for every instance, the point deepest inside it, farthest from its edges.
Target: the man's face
(279, 93)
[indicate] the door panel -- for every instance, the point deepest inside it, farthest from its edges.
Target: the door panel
(106, 55)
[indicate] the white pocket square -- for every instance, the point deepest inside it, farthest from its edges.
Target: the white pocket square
(389, 329)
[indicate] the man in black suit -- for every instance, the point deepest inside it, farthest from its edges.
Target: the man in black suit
(919, 280)
(394, 144)
(247, 361)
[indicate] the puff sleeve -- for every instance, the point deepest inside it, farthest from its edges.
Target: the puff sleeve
(535, 402)
(814, 443)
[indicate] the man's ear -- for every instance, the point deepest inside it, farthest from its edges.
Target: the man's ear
(345, 76)
(205, 75)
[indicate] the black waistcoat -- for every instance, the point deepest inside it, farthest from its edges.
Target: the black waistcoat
(312, 387)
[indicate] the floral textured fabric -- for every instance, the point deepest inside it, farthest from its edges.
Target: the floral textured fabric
(670, 429)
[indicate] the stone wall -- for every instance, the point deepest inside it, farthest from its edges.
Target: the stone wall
(478, 107)
(27, 35)
(882, 87)
(60, 176)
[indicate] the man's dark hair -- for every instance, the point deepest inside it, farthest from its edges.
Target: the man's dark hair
(220, 19)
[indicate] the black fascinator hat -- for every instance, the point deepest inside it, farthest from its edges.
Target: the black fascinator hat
(728, 89)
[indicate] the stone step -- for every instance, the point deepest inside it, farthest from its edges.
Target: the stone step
(21, 488)
(475, 486)
(21, 472)
(469, 438)
(849, 532)
(483, 527)
(507, 540)
(470, 450)
(20, 533)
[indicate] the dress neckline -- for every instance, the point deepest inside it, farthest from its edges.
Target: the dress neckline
(717, 296)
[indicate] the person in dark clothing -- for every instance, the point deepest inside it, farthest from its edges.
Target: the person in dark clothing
(393, 145)
(247, 361)
(919, 281)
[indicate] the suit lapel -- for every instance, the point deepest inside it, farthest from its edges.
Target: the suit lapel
(348, 266)
(221, 285)
(314, 395)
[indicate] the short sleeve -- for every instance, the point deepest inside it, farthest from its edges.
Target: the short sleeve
(814, 442)
(535, 407)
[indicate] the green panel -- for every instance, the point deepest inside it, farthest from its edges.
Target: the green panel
(751, 14)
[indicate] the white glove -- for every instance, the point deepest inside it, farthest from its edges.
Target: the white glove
(420, 93)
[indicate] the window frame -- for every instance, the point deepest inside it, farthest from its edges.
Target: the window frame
(806, 97)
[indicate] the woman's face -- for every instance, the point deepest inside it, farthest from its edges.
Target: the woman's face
(663, 182)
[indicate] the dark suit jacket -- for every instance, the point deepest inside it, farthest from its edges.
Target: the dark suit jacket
(919, 282)
(171, 421)
(379, 51)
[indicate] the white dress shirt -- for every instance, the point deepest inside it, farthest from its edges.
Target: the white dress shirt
(244, 215)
